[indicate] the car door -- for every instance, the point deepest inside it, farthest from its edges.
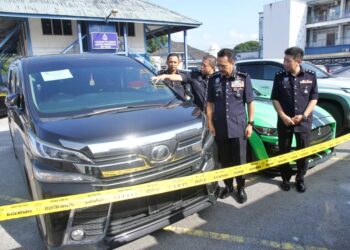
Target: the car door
(17, 115)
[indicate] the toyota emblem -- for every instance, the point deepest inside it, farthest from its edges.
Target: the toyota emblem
(160, 153)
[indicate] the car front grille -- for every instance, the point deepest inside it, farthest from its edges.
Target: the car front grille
(321, 134)
(134, 164)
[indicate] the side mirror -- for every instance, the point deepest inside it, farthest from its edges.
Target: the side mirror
(12, 101)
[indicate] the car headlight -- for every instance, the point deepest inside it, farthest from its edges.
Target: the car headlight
(52, 152)
(266, 131)
(347, 90)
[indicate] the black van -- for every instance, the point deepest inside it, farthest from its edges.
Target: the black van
(82, 123)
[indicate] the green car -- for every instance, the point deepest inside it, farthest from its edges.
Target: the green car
(264, 141)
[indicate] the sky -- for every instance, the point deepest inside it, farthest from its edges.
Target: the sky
(224, 22)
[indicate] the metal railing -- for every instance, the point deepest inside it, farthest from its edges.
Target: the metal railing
(323, 42)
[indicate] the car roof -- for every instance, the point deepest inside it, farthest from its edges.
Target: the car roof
(74, 57)
(278, 60)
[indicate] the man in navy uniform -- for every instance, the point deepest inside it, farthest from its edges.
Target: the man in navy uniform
(198, 80)
(228, 93)
(294, 96)
(177, 85)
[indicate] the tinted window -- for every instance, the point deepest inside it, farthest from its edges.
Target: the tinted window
(67, 27)
(256, 71)
(57, 27)
(46, 25)
(270, 71)
(80, 86)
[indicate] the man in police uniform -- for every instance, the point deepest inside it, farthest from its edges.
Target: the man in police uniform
(228, 92)
(198, 80)
(177, 85)
(294, 96)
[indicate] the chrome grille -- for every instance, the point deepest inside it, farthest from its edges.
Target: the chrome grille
(136, 162)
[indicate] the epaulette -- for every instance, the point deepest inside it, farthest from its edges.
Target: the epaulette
(310, 71)
(280, 72)
(242, 73)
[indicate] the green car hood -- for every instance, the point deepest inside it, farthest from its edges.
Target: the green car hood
(266, 116)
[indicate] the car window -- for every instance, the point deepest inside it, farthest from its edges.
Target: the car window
(319, 73)
(270, 71)
(256, 71)
(59, 89)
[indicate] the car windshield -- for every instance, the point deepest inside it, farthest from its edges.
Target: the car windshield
(77, 87)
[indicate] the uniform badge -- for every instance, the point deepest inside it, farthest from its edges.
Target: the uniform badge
(305, 81)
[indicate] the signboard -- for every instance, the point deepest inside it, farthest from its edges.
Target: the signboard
(104, 40)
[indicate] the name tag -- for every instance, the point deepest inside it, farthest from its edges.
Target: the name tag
(306, 82)
(237, 84)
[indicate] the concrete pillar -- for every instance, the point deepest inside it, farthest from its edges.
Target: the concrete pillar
(340, 35)
(185, 49)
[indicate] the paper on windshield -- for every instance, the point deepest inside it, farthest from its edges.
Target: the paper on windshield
(56, 75)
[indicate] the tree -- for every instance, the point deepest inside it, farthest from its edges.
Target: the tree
(249, 46)
(152, 45)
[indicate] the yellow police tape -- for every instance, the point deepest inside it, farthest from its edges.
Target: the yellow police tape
(52, 205)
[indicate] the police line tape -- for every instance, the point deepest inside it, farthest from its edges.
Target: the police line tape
(70, 202)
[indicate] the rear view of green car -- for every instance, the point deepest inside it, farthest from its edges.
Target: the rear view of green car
(264, 141)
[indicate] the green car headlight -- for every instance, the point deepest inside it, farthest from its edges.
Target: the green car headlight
(266, 131)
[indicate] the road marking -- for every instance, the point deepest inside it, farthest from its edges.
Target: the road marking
(239, 239)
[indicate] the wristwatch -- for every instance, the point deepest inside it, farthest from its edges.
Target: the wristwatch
(251, 123)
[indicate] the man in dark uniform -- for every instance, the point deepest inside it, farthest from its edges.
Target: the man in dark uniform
(198, 80)
(294, 96)
(228, 92)
(177, 85)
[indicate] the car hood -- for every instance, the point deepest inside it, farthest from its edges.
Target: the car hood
(334, 82)
(266, 116)
(111, 127)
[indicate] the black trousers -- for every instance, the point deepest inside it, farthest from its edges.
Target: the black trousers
(285, 136)
(232, 152)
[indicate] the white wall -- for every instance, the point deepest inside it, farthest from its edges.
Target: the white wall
(49, 44)
(283, 26)
(137, 43)
(297, 29)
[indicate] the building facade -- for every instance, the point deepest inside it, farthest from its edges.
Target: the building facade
(321, 27)
(41, 27)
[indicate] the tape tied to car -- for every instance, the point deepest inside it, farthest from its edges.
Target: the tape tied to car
(52, 205)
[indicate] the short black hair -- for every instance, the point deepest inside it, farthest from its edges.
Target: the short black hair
(229, 53)
(211, 59)
(295, 52)
(173, 54)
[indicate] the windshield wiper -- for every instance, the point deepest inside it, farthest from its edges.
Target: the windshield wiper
(122, 109)
(97, 112)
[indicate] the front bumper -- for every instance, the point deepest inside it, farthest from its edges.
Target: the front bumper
(115, 224)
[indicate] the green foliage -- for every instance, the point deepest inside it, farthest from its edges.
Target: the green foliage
(249, 46)
(152, 45)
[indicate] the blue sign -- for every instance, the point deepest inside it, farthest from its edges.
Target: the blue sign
(104, 40)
